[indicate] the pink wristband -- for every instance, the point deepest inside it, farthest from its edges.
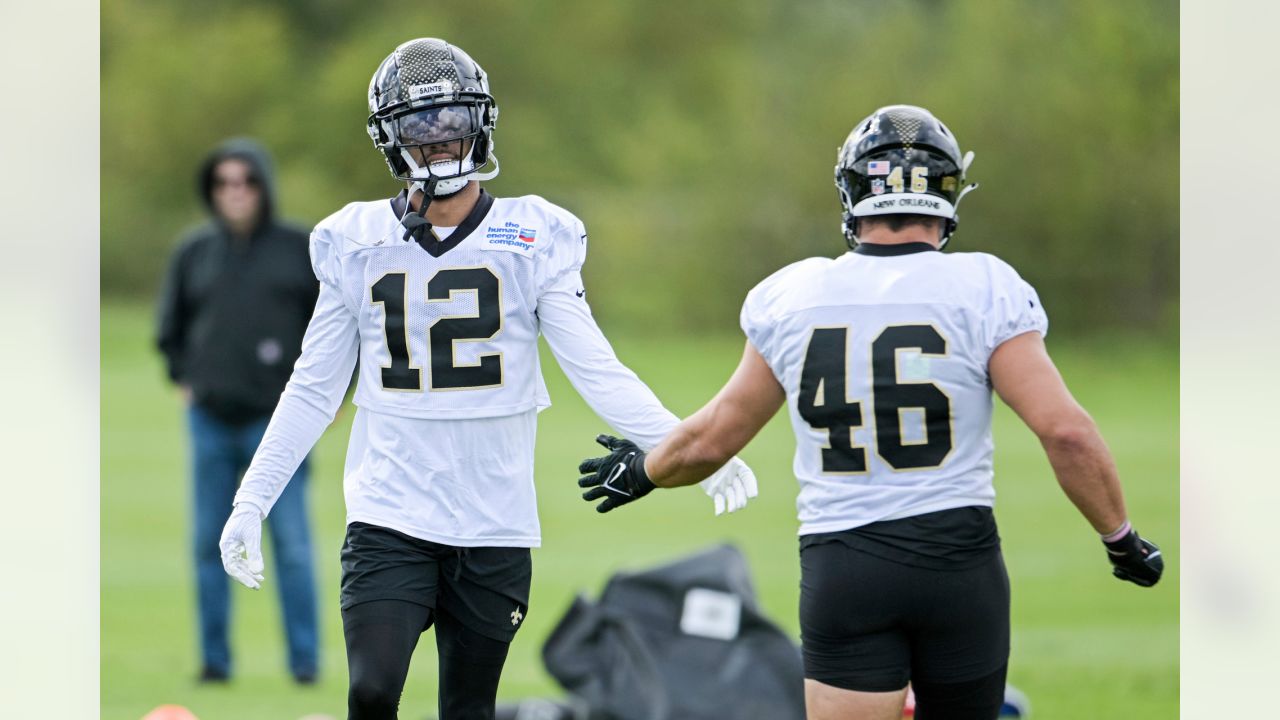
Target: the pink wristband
(1121, 532)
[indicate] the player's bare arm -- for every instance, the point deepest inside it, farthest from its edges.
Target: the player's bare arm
(615, 393)
(721, 428)
(1027, 380)
(695, 449)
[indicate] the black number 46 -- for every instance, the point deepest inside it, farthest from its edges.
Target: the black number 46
(824, 405)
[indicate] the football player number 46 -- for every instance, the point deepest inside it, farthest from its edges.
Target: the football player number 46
(403, 375)
(824, 405)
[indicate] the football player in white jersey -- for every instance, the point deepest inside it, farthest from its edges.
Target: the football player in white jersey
(886, 358)
(441, 292)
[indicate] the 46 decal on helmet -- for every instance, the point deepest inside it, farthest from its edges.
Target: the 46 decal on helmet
(919, 180)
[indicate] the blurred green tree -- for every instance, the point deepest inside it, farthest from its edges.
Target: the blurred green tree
(695, 139)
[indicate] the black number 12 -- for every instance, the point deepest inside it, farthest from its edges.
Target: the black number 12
(444, 333)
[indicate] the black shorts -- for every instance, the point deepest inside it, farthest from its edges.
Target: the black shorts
(871, 624)
(484, 588)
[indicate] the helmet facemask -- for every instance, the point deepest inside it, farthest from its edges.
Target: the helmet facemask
(425, 97)
(440, 142)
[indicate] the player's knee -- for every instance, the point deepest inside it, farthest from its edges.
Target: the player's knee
(372, 698)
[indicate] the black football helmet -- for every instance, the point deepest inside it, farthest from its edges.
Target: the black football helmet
(901, 160)
(426, 96)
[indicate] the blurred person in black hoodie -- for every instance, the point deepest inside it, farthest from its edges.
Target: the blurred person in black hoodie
(237, 298)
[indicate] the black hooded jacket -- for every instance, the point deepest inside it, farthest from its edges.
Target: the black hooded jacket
(233, 310)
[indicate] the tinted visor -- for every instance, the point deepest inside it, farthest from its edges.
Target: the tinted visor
(436, 125)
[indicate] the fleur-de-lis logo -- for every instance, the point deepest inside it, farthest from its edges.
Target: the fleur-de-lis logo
(516, 617)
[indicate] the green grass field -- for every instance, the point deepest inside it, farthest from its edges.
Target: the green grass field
(1084, 645)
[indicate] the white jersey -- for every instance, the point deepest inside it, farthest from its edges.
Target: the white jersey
(449, 386)
(883, 355)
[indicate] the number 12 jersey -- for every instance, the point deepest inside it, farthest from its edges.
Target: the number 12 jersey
(449, 384)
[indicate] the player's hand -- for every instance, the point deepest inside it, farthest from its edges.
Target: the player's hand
(1135, 559)
(241, 545)
(731, 486)
(618, 477)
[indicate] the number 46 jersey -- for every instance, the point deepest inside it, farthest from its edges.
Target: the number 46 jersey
(883, 354)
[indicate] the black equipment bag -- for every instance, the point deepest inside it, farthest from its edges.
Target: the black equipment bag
(684, 641)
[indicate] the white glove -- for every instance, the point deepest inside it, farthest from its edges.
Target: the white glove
(731, 486)
(241, 545)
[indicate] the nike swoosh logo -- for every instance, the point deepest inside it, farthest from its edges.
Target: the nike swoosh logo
(614, 475)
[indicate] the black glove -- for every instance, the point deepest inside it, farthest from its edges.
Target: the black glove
(1135, 559)
(619, 477)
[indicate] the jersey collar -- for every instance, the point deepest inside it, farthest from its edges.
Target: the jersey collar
(434, 245)
(883, 250)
